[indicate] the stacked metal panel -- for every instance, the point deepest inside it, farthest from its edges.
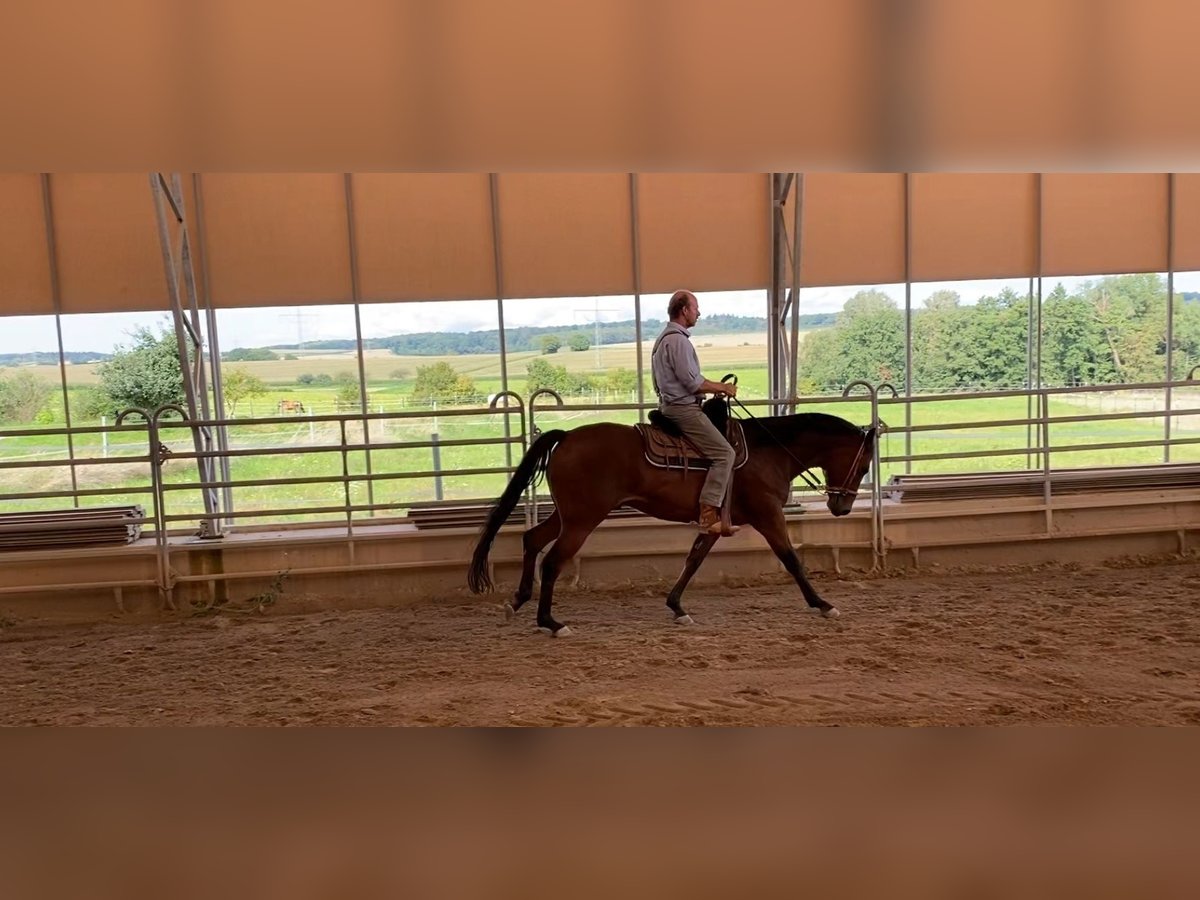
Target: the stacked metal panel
(95, 526)
(923, 488)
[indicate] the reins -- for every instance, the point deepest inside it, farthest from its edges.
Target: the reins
(804, 468)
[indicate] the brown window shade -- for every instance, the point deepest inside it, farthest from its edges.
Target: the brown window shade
(272, 239)
(24, 255)
(704, 232)
(973, 226)
(565, 235)
(276, 239)
(109, 255)
(1187, 222)
(424, 237)
(853, 229)
(1104, 224)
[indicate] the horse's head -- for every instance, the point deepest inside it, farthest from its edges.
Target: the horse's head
(847, 463)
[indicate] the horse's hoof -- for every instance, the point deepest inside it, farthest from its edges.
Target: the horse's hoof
(831, 613)
(509, 612)
(685, 619)
(563, 631)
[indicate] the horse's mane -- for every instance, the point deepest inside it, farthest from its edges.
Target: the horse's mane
(785, 428)
(770, 428)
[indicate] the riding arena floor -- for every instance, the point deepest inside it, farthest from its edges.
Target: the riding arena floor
(1100, 645)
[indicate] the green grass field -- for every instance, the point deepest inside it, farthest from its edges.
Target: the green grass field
(390, 378)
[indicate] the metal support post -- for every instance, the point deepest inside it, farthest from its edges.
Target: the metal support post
(168, 205)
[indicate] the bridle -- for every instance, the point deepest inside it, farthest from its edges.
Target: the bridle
(868, 433)
(845, 490)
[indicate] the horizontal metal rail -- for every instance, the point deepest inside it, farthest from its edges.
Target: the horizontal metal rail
(336, 442)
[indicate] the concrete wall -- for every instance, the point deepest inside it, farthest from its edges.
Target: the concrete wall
(388, 565)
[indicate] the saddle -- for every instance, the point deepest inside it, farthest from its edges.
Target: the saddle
(666, 447)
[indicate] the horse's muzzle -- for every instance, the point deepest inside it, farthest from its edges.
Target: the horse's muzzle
(840, 504)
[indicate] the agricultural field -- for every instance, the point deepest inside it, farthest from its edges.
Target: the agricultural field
(303, 448)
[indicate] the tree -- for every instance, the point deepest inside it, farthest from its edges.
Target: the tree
(1187, 338)
(543, 374)
(1071, 343)
(550, 343)
(940, 345)
(1110, 331)
(872, 339)
(434, 382)
(440, 382)
(90, 403)
(942, 300)
(22, 396)
(465, 391)
(349, 394)
(867, 342)
(993, 343)
(305, 378)
(579, 341)
(238, 384)
(144, 374)
(622, 381)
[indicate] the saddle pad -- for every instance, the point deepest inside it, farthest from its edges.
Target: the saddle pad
(669, 452)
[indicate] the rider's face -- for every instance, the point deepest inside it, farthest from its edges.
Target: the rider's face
(693, 312)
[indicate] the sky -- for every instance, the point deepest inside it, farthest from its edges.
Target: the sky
(264, 327)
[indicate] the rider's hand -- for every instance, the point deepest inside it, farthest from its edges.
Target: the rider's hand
(730, 388)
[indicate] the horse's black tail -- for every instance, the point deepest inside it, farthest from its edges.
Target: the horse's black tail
(533, 465)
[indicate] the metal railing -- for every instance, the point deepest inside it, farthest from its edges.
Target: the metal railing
(350, 436)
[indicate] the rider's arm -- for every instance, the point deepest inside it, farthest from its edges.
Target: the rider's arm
(717, 387)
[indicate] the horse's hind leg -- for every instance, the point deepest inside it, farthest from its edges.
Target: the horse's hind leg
(696, 556)
(534, 542)
(569, 541)
(774, 530)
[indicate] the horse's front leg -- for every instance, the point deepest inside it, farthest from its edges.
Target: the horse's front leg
(696, 556)
(774, 529)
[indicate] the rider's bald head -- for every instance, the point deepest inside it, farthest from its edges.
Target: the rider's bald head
(678, 303)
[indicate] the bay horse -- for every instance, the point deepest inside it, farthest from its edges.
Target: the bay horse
(593, 469)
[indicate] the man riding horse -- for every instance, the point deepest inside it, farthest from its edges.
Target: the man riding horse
(675, 370)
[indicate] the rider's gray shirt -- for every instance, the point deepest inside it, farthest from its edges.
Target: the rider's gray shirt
(675, 367)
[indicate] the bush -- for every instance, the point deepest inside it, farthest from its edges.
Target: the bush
(440, 382)
(348, 395)
(22, 396)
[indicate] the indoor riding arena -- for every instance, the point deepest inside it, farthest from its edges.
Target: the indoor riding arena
(252, 428)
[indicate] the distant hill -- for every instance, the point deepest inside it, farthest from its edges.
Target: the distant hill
(527, 338)
(40, 358)
(439, 343)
